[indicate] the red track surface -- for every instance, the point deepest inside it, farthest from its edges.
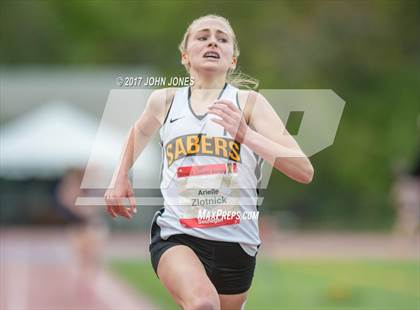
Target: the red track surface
(38, 271)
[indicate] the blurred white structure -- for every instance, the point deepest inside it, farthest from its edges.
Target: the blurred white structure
(57, 117)
(58, 136)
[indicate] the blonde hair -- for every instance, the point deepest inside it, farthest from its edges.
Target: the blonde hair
(233, 76)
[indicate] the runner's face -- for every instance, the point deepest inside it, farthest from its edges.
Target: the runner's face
(210, 47)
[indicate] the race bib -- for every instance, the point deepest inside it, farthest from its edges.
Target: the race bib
(209, 195)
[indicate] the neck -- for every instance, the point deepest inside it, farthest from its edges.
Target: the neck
(211, 82)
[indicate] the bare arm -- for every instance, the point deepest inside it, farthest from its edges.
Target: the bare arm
(141, 132)
(266, 135)
(271, 140)
(139, 135)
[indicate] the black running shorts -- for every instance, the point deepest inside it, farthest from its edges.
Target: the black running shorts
(228, 266)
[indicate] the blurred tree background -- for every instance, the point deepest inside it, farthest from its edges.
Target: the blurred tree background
(366, 51)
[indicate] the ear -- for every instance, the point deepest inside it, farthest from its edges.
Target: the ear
(184, 58)
(234, 62)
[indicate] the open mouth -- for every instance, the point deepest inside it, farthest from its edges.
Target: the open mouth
(213, 55)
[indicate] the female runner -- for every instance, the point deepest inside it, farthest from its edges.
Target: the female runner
(214, 139)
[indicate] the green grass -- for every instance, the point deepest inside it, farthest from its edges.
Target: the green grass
(307, 284)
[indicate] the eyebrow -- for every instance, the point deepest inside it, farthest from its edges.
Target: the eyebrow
(208, 30)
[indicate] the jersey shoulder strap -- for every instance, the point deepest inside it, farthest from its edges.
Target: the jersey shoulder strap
(177, 103)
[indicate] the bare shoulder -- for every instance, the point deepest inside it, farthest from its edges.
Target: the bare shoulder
(250, 97)
(162, 97)
(160, 100)
(249, 100)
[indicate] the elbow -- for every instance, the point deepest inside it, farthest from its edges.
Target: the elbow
(307, 179)
(302, 173)
(307, 175)
(139, 129)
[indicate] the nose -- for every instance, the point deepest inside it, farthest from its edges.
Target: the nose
(212, 42)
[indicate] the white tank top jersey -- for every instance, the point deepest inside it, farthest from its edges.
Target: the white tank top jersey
(208, 179)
